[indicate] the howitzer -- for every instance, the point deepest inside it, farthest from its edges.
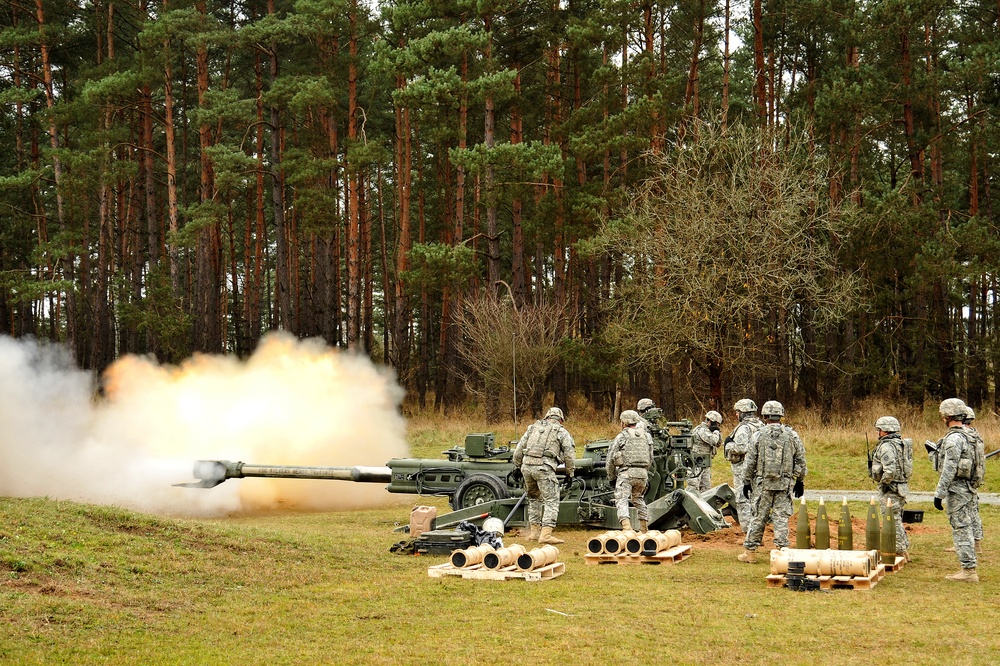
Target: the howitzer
(481, 479)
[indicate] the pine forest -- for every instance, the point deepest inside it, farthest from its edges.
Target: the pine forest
(690, 200)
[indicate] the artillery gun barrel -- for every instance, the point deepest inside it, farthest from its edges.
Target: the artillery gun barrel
(211, 473)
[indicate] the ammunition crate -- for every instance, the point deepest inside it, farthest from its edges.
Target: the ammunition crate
(442, 542)
(913, 516)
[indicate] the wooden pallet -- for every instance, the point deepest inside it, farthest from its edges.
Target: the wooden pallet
(670, 556)
(479, 572)
(893, 567)
(836, 582)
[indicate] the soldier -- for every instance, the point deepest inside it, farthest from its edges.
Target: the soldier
(892, 465)
(776, 461)
(629, 458)
(977, 523)
(735, 450)
(705, 440)
(959, 474)
(544, 445)
(645, 407)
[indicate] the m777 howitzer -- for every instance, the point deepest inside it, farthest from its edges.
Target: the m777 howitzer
(480, 479)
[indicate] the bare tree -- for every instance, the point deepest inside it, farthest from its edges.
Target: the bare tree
(507, 347)
(727, 251)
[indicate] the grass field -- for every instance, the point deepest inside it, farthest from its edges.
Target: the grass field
(82, 584)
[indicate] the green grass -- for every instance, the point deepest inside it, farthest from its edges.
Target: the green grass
(92, 585)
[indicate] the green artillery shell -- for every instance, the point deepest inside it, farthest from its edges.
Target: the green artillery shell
(845, 531)
(872, 532)
(822, 527)
(802, 527)
(888, 534)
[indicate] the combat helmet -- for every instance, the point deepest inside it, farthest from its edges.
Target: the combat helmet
(970, 414)
(746, 405)
(714, 417)
(630, 417)
(644, 404)
(772, 408)
(555, 412)
(952, 408)
(887, 424)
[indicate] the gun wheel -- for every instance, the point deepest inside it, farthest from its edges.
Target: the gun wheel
(479, 489)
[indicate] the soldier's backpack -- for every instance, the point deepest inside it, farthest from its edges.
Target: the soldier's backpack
(538, 441)
(635, 450)
(979, 470)
(906, 460)
(776, 453)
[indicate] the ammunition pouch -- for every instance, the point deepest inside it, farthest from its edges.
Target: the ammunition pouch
(964, 468)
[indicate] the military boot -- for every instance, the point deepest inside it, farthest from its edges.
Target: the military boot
(643, 526)
(534, 532)
(546, 537)
(965, 576)
(748, 556)
(626, 524)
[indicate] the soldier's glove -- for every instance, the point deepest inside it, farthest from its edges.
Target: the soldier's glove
(938, 504)
(746, 490)
(799, 488)
(714, 427)
(884, 488)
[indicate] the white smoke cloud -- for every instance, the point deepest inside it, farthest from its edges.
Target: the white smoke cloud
(293, 402)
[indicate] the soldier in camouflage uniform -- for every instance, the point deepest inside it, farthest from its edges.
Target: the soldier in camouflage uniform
(956, 462)
(977, 523)
(891, 471)
(629, 458)
(705, 439)
(642, 407)
(776, 462)
(543, 446)
(735, 450)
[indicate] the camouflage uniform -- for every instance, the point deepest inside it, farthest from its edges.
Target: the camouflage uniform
(704, 440)
(735, 450)
(629, 458)
(543, 446)
(977, 523)
(775, 460)
(888, 471)
(955, 488)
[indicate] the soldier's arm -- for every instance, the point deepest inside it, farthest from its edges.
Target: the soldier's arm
(609, 465)
(890, 465)
(519, 451)
(569, 451)
(949, 467)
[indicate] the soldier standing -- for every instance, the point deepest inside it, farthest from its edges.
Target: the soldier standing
(957, 462)
(735, 450)
(892, 465)
(705, 439)
(629, 458)
(977, 523)
(544, 445)
(776, 461)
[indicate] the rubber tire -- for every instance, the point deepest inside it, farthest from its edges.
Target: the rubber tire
(482, 487)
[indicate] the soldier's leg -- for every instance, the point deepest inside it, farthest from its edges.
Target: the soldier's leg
(781, 512)
(549, 488)
(743, 509)
(638, 489)
(977, 523)
(902, 540)
(534, 496)
(755, 534)
(623, 492)
(960, 518)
